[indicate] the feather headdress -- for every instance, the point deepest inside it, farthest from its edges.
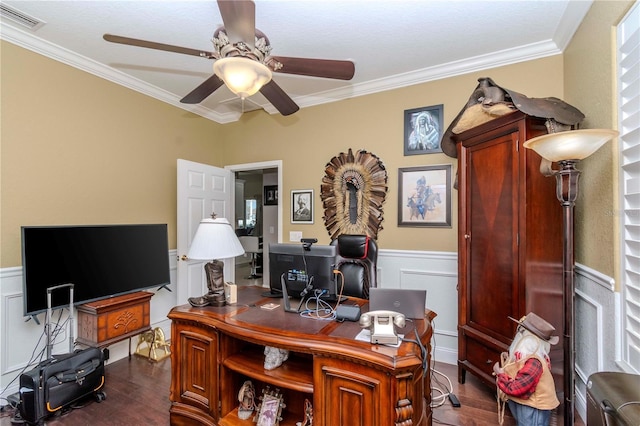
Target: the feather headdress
(353, 190)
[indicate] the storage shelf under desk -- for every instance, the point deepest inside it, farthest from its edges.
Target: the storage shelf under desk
(295, 373)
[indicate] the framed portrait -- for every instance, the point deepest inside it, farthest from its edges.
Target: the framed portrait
(423, 130)
(270, 409)
(302, 206)
(270, 195)
(424, 196)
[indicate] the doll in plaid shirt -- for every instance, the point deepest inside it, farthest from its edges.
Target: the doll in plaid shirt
(523, 377)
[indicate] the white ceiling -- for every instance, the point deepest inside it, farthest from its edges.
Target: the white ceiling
(394, 43)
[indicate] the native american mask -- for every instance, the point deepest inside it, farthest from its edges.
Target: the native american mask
(353, 190)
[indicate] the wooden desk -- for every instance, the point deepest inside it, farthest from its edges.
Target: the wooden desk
(214, 350)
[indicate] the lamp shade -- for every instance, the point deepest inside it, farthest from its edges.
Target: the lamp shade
(215, 239)
(243, 76)
(570, 145)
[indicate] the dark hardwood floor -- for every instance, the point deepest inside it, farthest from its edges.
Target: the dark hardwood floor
(138, 394)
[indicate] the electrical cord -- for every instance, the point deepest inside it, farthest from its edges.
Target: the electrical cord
(444, 393)
(439, 400)
(36, 356)
(322, 309)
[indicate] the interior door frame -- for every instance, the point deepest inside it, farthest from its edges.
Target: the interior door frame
(273, 164)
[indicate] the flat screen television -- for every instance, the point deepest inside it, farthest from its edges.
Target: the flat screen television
(297, 267)
(101, 261)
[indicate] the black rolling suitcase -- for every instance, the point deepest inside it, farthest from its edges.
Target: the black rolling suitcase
(613, 399)
(60, 380)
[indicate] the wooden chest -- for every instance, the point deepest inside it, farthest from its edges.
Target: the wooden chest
(111, 320)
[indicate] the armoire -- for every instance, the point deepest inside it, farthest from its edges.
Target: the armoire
(510, 243)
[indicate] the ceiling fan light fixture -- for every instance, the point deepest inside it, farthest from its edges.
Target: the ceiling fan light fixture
(243, 76)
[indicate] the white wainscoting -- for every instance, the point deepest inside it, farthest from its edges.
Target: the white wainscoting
(436, 272)
(20, 338)
(598, 316)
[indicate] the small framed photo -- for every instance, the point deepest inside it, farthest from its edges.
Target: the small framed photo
(270, 409)
(423, 130)
(425, 196)
(302, 206)
(270, 195)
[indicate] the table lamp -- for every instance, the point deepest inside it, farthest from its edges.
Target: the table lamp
(214, 239)
(568, 148)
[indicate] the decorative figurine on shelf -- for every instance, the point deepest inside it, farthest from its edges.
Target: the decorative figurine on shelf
(523, 377)
(308, 414)
(246, 397)
(274, 357)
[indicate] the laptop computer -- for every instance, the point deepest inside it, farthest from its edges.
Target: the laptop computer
(411, 303)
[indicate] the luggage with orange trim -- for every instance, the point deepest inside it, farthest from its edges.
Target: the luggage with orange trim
(60, 380)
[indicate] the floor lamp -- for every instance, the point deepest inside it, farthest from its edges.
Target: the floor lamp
(567, 149)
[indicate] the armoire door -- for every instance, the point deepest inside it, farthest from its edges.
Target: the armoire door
(492, 236)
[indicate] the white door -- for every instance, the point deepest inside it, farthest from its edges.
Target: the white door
(202, 190)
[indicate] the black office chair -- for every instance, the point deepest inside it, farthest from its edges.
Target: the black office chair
(357, 259)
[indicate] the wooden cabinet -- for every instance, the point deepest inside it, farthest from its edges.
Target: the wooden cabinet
(214, 350)
(510, 242)
(104, 322)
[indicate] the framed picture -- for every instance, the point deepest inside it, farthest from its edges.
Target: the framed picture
(270, 195)
(423, 130)
(424, 196)
(302, 206)
(270, 409)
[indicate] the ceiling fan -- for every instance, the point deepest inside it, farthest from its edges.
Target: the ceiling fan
(243, 61)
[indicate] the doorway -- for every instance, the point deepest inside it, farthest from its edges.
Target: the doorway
(256, 215)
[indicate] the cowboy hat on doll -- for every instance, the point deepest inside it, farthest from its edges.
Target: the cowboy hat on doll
(523, 375)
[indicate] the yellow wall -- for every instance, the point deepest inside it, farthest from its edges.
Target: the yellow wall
(109, 157)
(307, 140)
(590, 84)
(77, 149)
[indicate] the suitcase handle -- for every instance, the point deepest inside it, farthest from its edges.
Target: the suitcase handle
(49, 315)
(79, 373)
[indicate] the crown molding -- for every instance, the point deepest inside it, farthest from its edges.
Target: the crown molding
(574, 14)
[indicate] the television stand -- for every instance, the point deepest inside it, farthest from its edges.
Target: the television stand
(107, 321)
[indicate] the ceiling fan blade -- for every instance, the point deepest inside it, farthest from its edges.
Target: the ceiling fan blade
(158, 46)
(203, 91)
(327, 68)
(239, 17)
(278, 98)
